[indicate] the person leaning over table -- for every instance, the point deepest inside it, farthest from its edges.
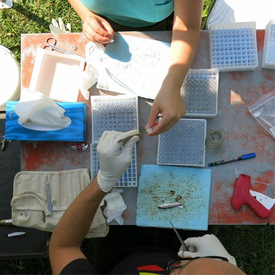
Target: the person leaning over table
(102, 17)
(206, 254)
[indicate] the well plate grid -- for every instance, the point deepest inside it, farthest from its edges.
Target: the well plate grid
(128, 179)
(118, 113)
(268, 61)
(233, 46)
(199, 93)
(183, 144)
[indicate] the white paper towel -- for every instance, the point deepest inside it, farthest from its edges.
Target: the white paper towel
(38, 112)
(115, 206)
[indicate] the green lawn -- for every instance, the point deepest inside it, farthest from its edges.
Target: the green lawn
(252, 246)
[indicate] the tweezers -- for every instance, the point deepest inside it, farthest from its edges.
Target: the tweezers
(127, 138)
(179, 237)
(119, 82)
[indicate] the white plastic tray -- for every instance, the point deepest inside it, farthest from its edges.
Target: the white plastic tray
(199, 93)
(128, 179)
(233, 46)
(183, 144)
(57, 75)
(268, 61)
(119, 113)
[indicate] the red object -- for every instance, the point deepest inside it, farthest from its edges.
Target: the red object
(242, 196)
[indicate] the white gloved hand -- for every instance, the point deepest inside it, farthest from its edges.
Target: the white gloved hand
(207, 245)
(112, 162)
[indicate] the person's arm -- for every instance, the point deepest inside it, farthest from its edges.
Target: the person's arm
(72, 228)
(95, 28)
(185, 39)
(74, 225)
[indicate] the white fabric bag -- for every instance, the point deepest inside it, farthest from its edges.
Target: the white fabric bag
(29, 202)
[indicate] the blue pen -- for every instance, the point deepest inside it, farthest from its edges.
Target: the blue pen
(243, 157)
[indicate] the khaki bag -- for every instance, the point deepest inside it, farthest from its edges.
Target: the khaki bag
(29, 202)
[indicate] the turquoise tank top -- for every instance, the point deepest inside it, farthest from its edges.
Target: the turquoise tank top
(132, 13)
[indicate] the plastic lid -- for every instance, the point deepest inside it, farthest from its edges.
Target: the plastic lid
(9, 76)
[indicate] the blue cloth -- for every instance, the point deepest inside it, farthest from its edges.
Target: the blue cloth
(132, 13)
(75, 132)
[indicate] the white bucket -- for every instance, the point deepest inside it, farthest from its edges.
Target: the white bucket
(9, 76)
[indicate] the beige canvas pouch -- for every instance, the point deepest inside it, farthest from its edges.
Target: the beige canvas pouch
(29, 202)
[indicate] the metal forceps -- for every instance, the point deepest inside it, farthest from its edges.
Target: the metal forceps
(51, 43)
(180, 238)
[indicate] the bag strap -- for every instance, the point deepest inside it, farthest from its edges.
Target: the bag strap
(31, 193)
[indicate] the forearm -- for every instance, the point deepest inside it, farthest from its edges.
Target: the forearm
(80, 9)
(76, 221)
(183, 50)
(185, 39)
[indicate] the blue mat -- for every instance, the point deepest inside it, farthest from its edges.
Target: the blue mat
(75, 132)
(163, 184)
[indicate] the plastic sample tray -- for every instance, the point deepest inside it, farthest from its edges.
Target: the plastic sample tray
(118, 113)
(199, 93)
(183, 144)
(57, 75)
(233, 46)
(128, 179)
(268, 61)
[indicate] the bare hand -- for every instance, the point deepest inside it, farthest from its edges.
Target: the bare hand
(169, 103)
(98, 30)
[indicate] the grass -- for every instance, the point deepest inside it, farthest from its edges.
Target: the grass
(252, 246)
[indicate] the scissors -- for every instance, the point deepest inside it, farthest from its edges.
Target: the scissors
(51, 43)
(179, 237)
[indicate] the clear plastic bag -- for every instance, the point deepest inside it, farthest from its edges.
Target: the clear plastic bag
(263, 110)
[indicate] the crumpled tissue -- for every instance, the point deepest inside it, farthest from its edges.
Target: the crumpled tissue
(94, 55)
(36, 109)
(115, 206)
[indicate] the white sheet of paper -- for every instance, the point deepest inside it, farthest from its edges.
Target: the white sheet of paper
(141, 64)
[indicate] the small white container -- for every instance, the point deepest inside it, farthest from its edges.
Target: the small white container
(268, 61)
(9, 76)
(56, 75)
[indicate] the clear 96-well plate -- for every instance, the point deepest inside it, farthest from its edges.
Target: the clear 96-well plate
(183, 144)
(268, 61)
(233, 46)
(199, 93)
(118, 113)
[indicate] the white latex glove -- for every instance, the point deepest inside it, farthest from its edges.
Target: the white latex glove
(207, 245)
(59, 27)
(112, 162)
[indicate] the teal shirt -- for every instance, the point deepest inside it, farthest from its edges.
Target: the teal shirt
(132, 13)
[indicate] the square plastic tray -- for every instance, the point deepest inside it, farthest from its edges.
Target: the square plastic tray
(118, 113)
(268, 61)
(128, 179)
(199, 93)
(233, 46)
(57, 75)
(183, 144)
